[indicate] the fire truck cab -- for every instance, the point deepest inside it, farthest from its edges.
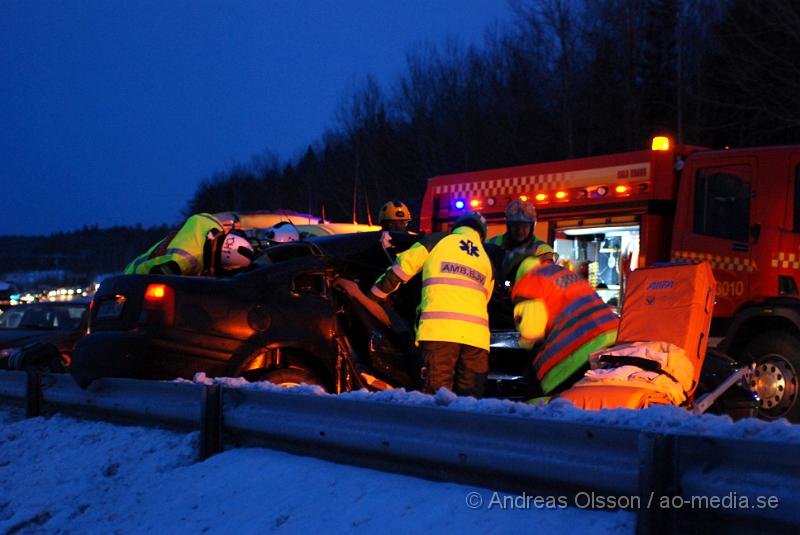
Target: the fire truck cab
(739, 209)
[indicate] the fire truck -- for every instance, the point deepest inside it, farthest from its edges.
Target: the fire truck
(737, 208)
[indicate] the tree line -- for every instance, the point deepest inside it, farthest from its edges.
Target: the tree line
(564, 79)
(87, 252)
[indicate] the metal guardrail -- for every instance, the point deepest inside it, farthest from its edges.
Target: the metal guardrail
(511, 452)
(705, 480)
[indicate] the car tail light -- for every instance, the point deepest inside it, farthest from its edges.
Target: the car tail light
(159, 305)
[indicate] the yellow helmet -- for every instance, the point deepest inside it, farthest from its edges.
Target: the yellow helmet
(394, 211)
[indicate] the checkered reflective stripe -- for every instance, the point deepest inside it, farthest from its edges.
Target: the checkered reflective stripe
(730, 263)
(786, 260)
(548, 181)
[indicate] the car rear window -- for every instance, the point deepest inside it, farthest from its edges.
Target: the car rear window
(43, 316)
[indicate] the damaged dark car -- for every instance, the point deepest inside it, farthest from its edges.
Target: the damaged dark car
(283, 320)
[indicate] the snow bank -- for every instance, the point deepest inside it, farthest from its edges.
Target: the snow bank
(61, 475)
(664, 419)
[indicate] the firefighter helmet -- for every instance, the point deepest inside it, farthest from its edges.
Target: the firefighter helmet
(473, 220)
(234, 251)
(394, 211)
(283, 232)
(519, 211)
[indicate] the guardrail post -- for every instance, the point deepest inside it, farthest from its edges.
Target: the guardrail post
(33, 395)
(211, 422)
(658, 480)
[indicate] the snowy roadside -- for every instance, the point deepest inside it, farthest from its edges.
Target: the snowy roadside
(61, 475)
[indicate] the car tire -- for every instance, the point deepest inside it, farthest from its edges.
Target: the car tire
(775, 379)
(288, 377)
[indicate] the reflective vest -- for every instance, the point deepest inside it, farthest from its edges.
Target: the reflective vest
(513, 255)
(578, 322)
(457, 283)
(184, 246)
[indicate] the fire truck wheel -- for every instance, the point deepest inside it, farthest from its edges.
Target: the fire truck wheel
(288, 377)
(775, 379)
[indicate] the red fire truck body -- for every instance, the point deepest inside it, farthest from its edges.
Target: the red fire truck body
(739, 209)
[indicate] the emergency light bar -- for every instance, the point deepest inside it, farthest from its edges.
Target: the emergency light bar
(660, 143)
(558, 196)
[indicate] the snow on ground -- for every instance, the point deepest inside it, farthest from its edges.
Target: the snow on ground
(61, 475)
(663, 419)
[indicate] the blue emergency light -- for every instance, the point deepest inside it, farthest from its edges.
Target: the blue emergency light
(459, 204)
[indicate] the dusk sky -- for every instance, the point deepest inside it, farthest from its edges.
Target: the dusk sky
(114, 111)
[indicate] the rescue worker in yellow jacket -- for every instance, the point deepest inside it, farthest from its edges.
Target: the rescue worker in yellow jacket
(200, 246)
(558, 307)
(453, 323)
(519, 240)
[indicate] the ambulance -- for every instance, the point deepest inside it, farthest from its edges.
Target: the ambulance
(739, 209)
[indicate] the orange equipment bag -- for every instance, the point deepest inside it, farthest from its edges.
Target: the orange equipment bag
(662, 340)
(672, 303)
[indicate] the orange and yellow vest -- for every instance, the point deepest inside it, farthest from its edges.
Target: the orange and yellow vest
(578, 322)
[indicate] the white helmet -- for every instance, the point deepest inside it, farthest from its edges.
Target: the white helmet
(235, 251)
(283, 232)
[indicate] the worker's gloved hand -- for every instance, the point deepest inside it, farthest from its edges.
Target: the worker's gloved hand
(527, 343)
(346, 285)
(386, 240)
(530, 317)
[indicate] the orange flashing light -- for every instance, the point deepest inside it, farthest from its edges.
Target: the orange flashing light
(660, 143)
(561, 195)
(155, 292)
(541, 196)
(523, 198)
(621, 189)
(474, 203)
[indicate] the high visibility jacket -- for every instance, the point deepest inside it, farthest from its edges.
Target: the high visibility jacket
(184, 246)
(578, 321)
(513, 254)
(457, 283)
